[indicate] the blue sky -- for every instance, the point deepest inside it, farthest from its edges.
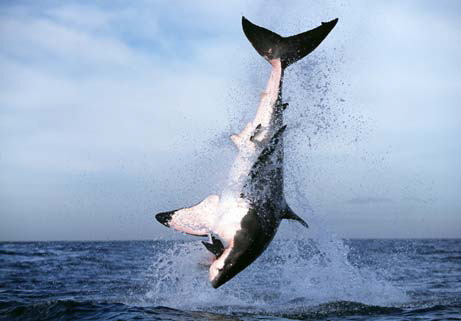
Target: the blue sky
(112, 111)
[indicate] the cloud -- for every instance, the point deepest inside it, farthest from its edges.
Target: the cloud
(415, 199)
(121, 93)
(74, 85)
(94, 94)
(369, 200)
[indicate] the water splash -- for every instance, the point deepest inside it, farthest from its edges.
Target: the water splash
(296, 273)
(292, 274)
(299, 269)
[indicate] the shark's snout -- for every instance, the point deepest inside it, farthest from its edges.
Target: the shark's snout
(218, 277)
(216, 283)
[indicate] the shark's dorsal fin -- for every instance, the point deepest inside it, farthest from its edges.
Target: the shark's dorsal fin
(288, 214)
(197, 220)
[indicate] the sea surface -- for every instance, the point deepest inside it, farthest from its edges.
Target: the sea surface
(295, 279)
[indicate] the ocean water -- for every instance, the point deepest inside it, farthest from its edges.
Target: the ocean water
(295, 279)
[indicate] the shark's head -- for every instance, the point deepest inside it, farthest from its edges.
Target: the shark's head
(233, 260)
(227, 266)
(247, 244)
(220, 270)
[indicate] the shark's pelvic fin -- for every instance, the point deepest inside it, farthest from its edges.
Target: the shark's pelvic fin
(196, 220)
(289, 49)
(288, 214)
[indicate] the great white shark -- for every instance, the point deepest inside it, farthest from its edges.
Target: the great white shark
(242, 221)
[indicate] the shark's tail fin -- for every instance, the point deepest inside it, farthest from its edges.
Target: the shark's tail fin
(289, 49)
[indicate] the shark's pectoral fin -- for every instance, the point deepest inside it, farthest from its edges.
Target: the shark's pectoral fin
(215, 246)
(290, 215)
(196, 220)
(238, 138)
(235, 139)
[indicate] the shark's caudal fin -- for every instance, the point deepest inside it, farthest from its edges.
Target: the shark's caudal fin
(196, 220)
(289, 49)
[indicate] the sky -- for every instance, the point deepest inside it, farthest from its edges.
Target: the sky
(113, 111)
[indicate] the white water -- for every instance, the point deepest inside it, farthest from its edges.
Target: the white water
(300, 269)
(293, 273)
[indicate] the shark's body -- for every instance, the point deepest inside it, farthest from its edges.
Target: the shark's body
(244, 219)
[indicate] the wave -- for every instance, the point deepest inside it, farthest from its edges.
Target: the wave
(338, 309)
(17, 253)
(61, 309)
(90, 310)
